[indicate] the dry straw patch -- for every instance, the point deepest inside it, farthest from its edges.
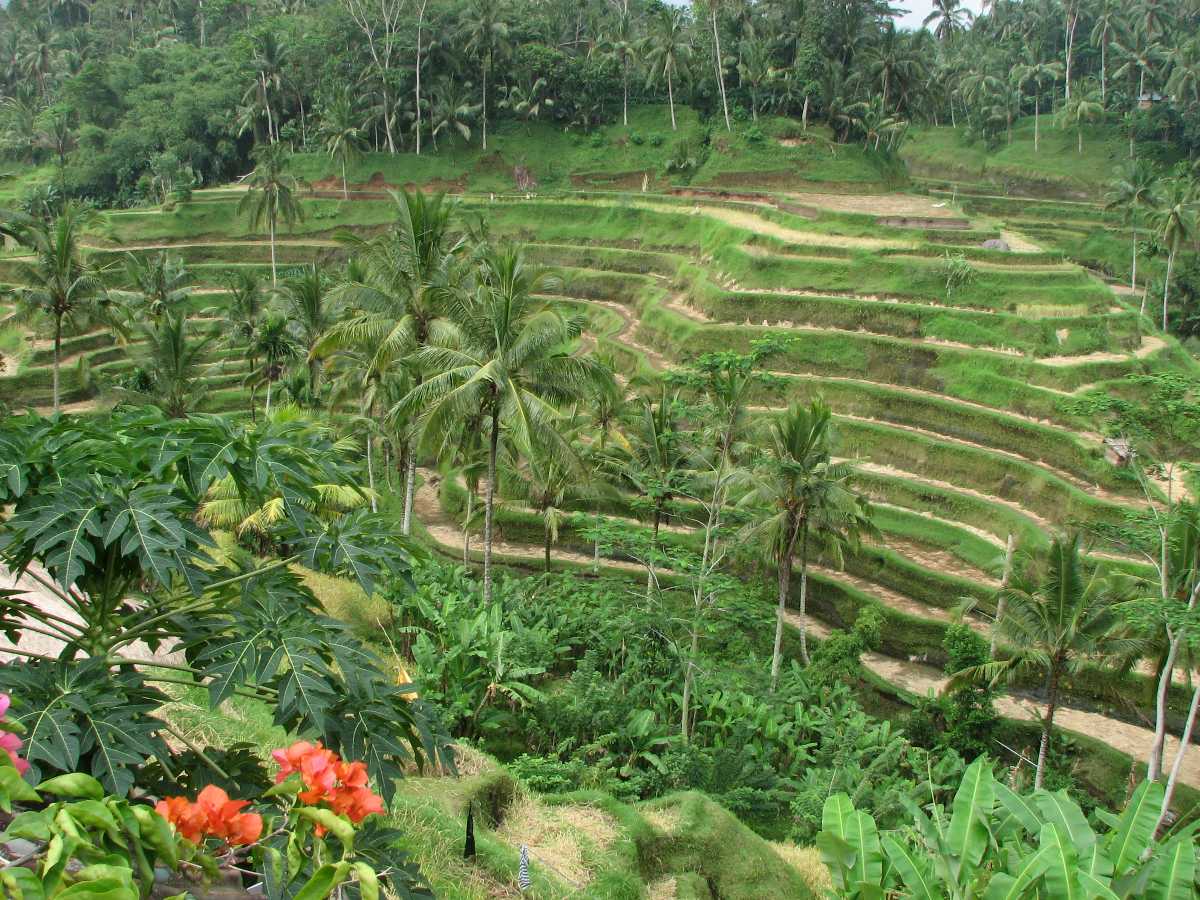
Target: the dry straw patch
(807, 862)
(665, 819)
(662, 889)
(561, 838)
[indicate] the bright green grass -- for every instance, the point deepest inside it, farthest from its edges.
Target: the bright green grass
(941, 152)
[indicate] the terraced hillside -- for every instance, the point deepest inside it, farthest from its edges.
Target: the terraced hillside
(956, 403)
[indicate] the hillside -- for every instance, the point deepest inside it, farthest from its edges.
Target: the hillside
(957, 400)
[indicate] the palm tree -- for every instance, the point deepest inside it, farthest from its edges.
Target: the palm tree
(951, 16)
(170, 366)
(1134, 193)
(342, 133)
(803, 494)
(1176, 225)
(511, 360)
(271, 195)
(620, 43)
(274, 343)
(311, 313)
(160, 282)
(668, 46)
(451, 109)
(486, 35)
(1082, 107)
(543, 480)
(1038, 74)
(1109, 20)
(269, 61)
(59, 284)
(654, 457)
(400, 288)
(243, 312)
(1058, 618)
(754, 69)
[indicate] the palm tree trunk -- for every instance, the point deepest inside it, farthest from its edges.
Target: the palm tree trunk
(410, 481)
(804, 596)
(625, 88)
(1047, 724)
(270, 381)
(417, 72)
(57, 357)
(467, 527)
(785, 583)
(489, 505)
(804, 115)
(720, 70)
(1184, 740)
(274, 275)
(546, 547)
(1133, 277)
(1036, 120)
(345, 186)
(484, 111)
(1167, 286)
(671, 100)
(1103, 66)
(1079, 134)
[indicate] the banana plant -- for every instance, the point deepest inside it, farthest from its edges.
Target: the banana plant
(999, 845)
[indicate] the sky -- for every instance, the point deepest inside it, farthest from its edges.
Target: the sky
(919, 9)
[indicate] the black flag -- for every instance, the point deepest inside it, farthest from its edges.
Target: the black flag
(469, 849)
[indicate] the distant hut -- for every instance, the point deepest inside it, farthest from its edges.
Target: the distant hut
(1118, 451)
(1148, 98)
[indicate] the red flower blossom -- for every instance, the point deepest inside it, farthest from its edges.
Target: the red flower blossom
(340, 786)
(213, 814)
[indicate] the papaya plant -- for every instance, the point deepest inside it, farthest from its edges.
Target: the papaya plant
(104, 519)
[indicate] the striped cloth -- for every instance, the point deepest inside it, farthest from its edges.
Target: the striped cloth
(523, 880)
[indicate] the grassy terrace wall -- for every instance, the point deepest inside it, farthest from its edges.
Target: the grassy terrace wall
(1038, 443)
(931, 367)
(1040, 337)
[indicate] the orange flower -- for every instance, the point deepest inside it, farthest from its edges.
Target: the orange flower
(184, 815)
(212, 815)
(340, 786)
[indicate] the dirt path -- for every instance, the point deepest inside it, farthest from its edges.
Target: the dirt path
(1018, 243)
(45, 600)
(914, 677)
(1151, 344)
(249, 242)
(912, 206)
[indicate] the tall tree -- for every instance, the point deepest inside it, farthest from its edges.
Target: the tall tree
(510, 359)
(60, 284)
(952, 19)
(714, 8)
(380, 23)
(1059, 616)
(620, 43)
(1176, 222)
(170, 365)
(243, 313)
(274, 343)
(486, 34)
(311, 312)
(802, 494)
(271, 195)
(1134, 193)
(399, 291)
(341, 131)
(1084, 107)
(667, 48)
(1038, 74)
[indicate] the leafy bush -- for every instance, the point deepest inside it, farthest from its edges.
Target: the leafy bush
(957, 272)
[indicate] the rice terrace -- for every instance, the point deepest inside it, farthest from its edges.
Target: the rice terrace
(613, 449)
